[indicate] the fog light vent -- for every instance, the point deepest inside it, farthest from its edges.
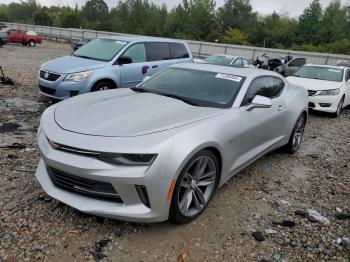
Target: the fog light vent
(325, 105)
(142, 192)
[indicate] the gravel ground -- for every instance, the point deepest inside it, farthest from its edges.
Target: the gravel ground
(263, 198)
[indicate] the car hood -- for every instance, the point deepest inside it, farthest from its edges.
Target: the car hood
(314, 84)
(72, 64)
(124, 113)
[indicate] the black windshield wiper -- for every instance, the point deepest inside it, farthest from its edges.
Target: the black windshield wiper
(184, 99)
(140, 90)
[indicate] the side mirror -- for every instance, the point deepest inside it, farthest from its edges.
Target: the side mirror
(123, 60)
(260, 102)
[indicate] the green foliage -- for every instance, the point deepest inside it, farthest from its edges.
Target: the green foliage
(235, 36)
(235, 22)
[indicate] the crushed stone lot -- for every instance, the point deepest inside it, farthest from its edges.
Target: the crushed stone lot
(259, 215)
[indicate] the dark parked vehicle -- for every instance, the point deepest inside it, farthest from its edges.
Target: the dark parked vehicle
(344, 63)
(3, 38)
(291, 67)
(80, 43)
(284, 65)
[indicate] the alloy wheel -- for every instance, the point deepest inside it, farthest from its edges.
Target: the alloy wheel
(340, 106)
(197, 186)
(103, 88)
(298, 132)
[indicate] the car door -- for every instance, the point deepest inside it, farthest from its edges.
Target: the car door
(11, 35)
(261, 128)
(294, 65)
(159, 56)
(133, 73)
(237, 63)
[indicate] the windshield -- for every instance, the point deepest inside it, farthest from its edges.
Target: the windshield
(100, 49)
(321, 73)
(200, 88)
(218, 60)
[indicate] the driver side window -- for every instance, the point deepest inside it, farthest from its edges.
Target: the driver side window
(137, 53)
(237, 63)
(267, 86)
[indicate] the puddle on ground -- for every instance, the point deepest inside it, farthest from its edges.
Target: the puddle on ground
(9, 127)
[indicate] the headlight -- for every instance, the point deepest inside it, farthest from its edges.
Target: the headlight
(331, 92)
(77, 77)
(128, 159)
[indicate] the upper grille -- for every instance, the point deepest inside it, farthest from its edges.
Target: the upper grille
(311, 92)
(83, 186)
(49, 76)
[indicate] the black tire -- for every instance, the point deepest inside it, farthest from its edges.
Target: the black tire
(292, 146)
(339, 108)
(175, 215)
(102, 85)
(31, 43)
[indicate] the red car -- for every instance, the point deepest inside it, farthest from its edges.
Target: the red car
(19, 36)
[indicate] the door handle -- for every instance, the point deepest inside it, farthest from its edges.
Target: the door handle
(280, 107)
(154, 66)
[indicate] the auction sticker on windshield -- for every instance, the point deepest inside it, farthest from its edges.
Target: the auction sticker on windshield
(229, 77)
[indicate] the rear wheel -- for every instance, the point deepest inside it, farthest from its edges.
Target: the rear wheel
(103, 85)
(297, 135)
(194, 187)
(339, 108)
(31, 43)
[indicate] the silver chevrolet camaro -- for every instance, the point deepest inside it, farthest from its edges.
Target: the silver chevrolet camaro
(160, 150)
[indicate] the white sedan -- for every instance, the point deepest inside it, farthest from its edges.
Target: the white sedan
(328, 86)
(226, 60)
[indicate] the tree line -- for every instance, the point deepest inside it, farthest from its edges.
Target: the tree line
(316, 29)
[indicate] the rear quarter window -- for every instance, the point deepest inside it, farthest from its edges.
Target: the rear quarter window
(178, 51)
(158, 51)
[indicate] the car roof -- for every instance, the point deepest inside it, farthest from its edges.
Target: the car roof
(245, 72)
(225, 55)
(142, 39)
(329, 66)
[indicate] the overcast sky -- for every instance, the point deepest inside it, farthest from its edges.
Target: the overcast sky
(292, 7)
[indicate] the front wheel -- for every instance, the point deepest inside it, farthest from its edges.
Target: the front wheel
(194, 187)
(297, 135)
(31, 43)
(101, 86)
(339, 108)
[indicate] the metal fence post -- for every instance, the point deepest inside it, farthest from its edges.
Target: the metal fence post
(253, 55)
(326, 62)
(225, 50)
(200, 49)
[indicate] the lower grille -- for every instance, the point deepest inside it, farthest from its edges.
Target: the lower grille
(83, 186)
(311, 92)
(47, 90)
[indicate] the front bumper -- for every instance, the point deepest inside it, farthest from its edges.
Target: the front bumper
(60, 89)
(123, 179)
(328, 104)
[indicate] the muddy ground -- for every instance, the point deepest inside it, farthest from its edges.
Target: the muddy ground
(35, 227)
